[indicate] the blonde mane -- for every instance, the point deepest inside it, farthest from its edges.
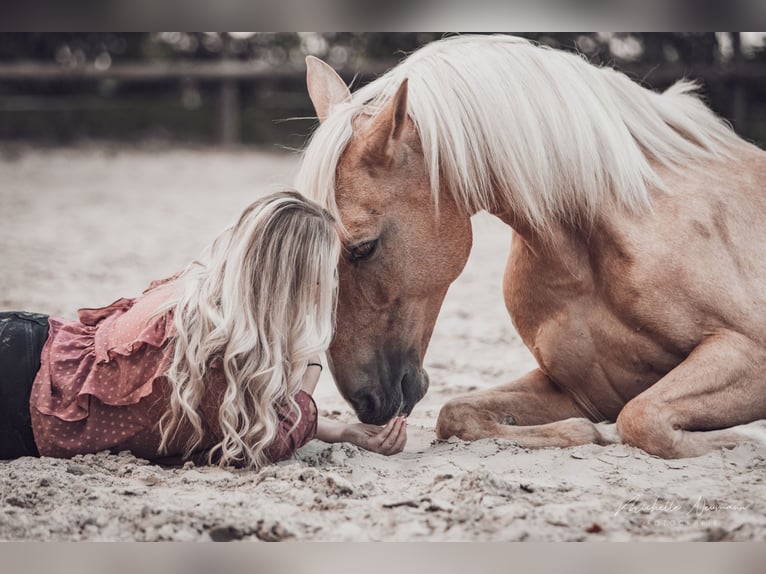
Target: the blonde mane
(509, 125)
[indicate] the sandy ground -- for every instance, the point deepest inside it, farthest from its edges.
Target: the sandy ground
(83, 227)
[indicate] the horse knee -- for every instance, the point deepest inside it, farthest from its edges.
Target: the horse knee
(460, 419)
(647, 426)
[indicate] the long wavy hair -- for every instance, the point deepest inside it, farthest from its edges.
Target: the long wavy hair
(261, 301)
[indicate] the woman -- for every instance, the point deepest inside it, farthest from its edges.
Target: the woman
(217, 363)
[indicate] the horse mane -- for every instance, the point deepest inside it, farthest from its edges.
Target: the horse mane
(509, 125)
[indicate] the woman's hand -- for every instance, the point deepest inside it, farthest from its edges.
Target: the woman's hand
(388, 439)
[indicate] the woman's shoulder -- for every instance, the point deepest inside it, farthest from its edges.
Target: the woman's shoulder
(149, 318)
(128, 323)
(160, 282)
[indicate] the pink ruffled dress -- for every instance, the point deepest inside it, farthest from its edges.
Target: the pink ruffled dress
(101, 386)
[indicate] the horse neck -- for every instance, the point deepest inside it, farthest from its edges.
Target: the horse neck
(562, 247)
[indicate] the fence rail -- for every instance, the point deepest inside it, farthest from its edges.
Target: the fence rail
(229, 74)
(146, 71)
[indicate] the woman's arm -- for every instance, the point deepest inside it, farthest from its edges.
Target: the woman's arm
(388, 439)
(311, 376)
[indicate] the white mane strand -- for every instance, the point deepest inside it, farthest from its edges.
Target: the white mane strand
(506, 124)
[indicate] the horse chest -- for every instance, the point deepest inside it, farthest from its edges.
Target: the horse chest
(551, 326)
(537, 294)
(575, 337)
(589, 354)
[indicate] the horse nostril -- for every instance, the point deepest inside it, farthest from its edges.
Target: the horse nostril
(373, 409)
(364, 404)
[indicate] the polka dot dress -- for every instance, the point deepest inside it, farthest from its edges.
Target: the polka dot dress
(101, 385)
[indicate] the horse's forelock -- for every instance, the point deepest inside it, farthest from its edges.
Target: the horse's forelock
(317, 174)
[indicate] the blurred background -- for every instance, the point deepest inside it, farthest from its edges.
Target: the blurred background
(249, 88)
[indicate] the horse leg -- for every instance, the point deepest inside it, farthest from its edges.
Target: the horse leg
(719, 385)
(550, 416)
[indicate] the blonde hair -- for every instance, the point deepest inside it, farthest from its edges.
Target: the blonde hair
(506, 124)
(262, 302)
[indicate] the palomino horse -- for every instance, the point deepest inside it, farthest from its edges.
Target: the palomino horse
(637, 272)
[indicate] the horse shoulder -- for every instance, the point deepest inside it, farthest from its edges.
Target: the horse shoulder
(576, 337)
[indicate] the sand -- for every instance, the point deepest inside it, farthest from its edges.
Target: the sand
(84, 226)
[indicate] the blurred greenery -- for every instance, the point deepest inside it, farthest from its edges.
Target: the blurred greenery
(187, 110)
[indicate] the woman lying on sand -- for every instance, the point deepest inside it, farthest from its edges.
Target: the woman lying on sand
(215, 364)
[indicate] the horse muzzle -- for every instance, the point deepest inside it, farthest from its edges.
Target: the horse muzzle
(379, 403)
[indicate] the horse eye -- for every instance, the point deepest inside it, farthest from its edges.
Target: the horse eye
(362, 251)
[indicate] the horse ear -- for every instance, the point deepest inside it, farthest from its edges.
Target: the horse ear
(325, 86)
(387, 126)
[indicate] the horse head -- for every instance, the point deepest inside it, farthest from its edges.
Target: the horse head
(402, 248)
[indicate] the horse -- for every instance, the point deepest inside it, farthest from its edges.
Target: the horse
(637, 267)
